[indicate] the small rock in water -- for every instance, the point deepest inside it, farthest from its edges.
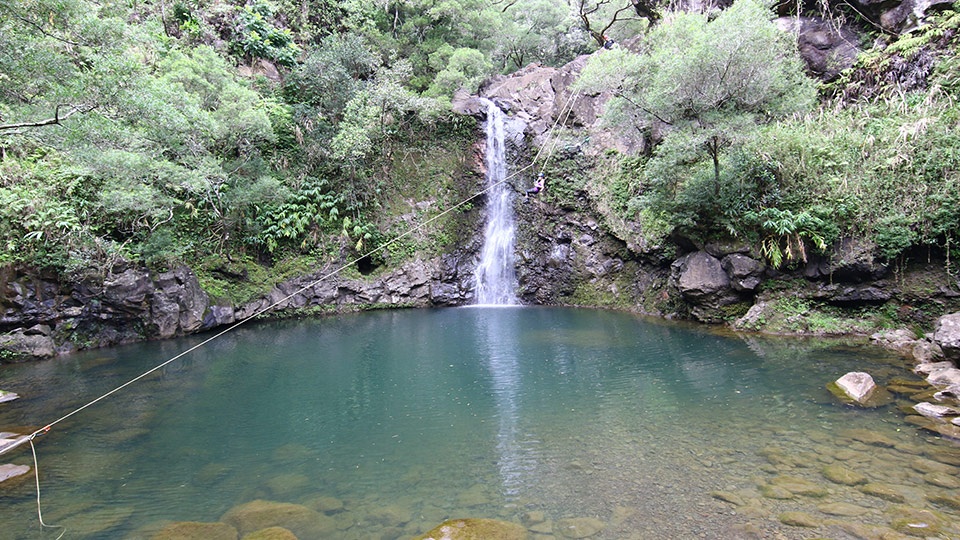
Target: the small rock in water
(857, 384)
(839, 474)
(729, 497)
(932, 410)
(578, 527)
(842, 509)
(883, 491)
(869, 437)
(10, 470)
(799, 519)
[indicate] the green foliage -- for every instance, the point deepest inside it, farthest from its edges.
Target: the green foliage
(713, 83)
(465, 68)
(787, 233)
(257, 37)
(298, 221)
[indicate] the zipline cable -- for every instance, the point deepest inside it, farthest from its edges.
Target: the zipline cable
(46, 428)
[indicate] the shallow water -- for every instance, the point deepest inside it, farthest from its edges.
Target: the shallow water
(408, 418)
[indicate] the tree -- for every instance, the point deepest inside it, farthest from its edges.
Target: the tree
(599, 16)
(707, 84)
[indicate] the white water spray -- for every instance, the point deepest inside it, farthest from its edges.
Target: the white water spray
(496, 280)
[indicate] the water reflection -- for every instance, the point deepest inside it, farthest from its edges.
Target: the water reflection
(499, 350)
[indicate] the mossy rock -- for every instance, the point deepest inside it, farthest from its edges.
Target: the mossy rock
(799, 519)
(950, 501)
(194, 530)
(838, 474)
(799, 486)
(919, 522)
(883, 491)
(476, 529)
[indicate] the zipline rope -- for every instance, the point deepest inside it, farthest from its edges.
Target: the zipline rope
(320, 279)
(551, 145)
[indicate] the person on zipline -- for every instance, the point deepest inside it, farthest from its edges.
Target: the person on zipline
(537, 186)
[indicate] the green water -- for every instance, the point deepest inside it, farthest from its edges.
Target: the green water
(408, 418)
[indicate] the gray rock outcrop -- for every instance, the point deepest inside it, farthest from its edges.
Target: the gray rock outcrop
(826, 48)
(705, 284)
(947, 335)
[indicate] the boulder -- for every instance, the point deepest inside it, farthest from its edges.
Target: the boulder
(20, 345)
(859, 388)
(901, 340)
(475, 529)
(700, 276)
(946, 335)
(744, 272)
(826, 48)
(702, 281)
(944, 377)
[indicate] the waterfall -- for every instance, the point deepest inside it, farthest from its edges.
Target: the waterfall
(496, 280)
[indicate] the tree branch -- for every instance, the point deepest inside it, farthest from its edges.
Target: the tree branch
(40, 29)
(56, 120)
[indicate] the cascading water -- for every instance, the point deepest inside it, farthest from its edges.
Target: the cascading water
(496, 280)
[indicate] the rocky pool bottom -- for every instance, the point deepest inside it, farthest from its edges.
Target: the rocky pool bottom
(571, 423)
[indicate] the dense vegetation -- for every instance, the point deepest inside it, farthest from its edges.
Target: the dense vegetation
(745, 151)
(280, 131)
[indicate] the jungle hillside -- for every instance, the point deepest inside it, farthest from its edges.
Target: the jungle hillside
(256, 140)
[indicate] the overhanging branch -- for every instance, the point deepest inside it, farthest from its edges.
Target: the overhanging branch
(56, 120)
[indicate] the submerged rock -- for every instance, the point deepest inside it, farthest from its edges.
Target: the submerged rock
(578, 527)
(869, 437)
(839, 474)
(883, 491)
(475, 529)
(842, 509)
(799, 519)
(271, 533)
(10, 471)
(260, 514)
(192, 530)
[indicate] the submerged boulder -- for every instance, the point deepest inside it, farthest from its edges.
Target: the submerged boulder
(193, 530)
(475, 529)
(260, 514)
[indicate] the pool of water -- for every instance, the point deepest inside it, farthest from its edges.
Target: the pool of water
(384, 424)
